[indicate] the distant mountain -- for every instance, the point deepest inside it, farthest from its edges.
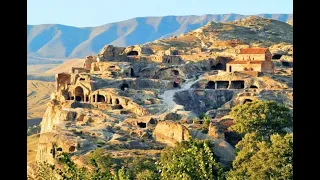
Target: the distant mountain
(58, 42)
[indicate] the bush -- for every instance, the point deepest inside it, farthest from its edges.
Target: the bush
(261, 117)
(191, 159)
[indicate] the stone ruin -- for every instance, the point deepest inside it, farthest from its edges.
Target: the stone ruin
(115, 100)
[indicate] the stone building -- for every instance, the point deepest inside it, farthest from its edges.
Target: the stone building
(252, 61)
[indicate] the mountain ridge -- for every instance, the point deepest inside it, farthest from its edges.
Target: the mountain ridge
(64, 42)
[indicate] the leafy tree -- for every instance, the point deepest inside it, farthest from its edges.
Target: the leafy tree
(122, 174)
(102, 164)
(188, 160)
(258, 159)
(138, 166)
(262, 117)
(147, 174)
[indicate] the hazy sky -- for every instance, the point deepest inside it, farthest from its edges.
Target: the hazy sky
(84, 13)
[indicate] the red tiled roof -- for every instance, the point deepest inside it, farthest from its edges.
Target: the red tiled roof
(245, 62)
(253, 51)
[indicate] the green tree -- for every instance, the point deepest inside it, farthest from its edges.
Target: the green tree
(262, 117)
(258, 159)
(138, 166)
(102, 164)
(122, 174)
(188, 160)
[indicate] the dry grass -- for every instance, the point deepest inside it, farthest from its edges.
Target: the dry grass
(66, 66)
(38, 94)
(32, 145)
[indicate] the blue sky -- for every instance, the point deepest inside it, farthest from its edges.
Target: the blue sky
(85, 13)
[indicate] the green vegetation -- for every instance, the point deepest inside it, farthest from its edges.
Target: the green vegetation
(261, 117)
(191, 159)
(265, 152)
(257, 159)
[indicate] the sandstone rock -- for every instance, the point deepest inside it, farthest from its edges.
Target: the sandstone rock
(170, 132)
(215, 131)
(223, 150)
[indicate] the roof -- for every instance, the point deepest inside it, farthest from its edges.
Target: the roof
(253, 51)
(245, 62)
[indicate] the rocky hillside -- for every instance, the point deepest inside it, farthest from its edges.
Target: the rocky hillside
(218, 37)
(59, 41)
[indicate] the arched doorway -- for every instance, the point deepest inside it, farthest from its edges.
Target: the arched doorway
(117, 101)
(101, 98)
(123, 86)
(210, 85)
(133, 53)
(79, 94)
(247, 100)
(131, 72)
(142, 124)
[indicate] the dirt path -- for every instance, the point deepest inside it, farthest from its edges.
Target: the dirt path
(168, 96)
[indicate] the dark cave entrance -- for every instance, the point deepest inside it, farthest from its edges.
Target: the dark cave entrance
(79, 94)
(176, 85)
(217, 67)
(276, 56)
(222, 84)
(142, 124)
(285, 64)
(117, 101)
(237, 84)
(123, 86)
(72, 148)
(230, 68)
(210, 85)
(253, 87)
(175, 72)
(133, 53)
(247, 100)
(117, 106)
(101, 98)
(131, 72)
(152, 121)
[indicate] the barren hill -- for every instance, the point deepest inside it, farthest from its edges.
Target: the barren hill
(66, 66)
(38, 94)
(61, 41)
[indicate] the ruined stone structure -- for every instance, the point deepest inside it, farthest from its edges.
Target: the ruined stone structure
(252, 60)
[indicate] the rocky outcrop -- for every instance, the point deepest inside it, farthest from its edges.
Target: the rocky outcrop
(215, 131)
(201, 101)
(170, 132)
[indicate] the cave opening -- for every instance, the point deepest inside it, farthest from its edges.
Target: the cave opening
(216, 67)
(285, 64)
(175, 72)
(237, 85)
(222, 84)
(276, 56)
(152, 121)
(117, 101)
(117, 106)
(176, 85)
(142, 124)
(253, 87)
(210, 85)
(123, 86)
(131, 72)
(101, 98)
(79, 94)
(133, 53)
(72, 148)
(247, 100)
